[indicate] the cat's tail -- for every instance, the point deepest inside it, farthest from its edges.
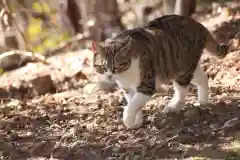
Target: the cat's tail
(216, 49)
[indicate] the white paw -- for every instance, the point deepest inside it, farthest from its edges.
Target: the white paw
(172, 107)
(131, 119)
(139, 119)
(202, 103)
(203, 99)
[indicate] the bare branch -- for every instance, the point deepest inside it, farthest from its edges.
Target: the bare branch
(5, 5)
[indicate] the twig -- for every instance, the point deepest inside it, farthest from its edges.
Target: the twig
(169, 140)
(6, 48)
(5, 5)
(61, 47)
(2, 99)
(230, 98)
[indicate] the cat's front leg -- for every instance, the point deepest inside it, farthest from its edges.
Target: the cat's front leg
(127, 90)
(128, 94)
(132, 114)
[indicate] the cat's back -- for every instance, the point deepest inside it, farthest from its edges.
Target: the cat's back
(176, 24)
(138, 33)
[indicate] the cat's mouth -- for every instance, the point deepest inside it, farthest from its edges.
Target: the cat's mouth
(110, 76)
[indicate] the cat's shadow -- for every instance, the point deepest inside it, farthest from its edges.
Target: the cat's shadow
(214, 124)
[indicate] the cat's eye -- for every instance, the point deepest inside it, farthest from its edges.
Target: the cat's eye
(109, 63)
(99, 60)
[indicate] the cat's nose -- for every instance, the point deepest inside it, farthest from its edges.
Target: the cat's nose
(110, 76)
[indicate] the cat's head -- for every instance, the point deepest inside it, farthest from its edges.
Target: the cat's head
(113, 57)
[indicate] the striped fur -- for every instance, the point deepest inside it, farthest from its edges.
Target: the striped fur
(167, 49)
(173, 44)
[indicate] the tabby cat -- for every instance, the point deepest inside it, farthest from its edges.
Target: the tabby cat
(167, 49)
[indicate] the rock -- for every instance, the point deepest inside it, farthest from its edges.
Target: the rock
(89, 88)
(58, 97)
(14, 59)
(98, 86)
(4, 94)
(122, 137)
(11, 60)
(42, 85)
(106, 85)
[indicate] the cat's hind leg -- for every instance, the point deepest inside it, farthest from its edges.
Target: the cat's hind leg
(200, 79)
(180, 92)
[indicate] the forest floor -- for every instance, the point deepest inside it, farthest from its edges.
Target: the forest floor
(70, 124)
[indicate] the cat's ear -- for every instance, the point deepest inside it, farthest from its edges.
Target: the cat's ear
(108, 40)
(126, 43)
(98, 49)
(99, 53)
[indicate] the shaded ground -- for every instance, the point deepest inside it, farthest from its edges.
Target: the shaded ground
(71, 125)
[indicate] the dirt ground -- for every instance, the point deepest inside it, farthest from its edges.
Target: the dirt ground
(71, 125)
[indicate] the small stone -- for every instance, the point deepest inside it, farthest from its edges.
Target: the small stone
(73, 122)
(136, 157)
(106, 85)
(98, 121)
(122, 137)
(192, 113)
(121, 127)
(116, 148)
(213, 126)
(101, 85)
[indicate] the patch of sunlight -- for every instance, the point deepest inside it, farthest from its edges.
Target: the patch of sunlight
(51, 42)
(64, 36)
(34, 28)
(91, 23)
(39, 48)
(1, 71)
(41, 7)
(234, 146)
(130, 17)
(196, 158)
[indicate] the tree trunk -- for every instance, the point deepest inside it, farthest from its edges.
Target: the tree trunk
(8, 33)
(179, 7)
(103, 16)
(74, 14)
(168, 6)
(69, 16)
(108, 18)
(185, 7)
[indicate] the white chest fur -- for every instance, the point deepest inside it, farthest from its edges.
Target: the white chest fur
(131, 77)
